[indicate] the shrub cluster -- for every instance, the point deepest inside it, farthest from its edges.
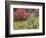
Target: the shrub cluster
(21, 14)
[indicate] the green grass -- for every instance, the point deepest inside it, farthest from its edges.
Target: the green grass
(31, 23)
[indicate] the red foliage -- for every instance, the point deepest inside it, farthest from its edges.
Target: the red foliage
(21, 14)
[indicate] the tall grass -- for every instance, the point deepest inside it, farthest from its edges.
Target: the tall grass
(32, 23)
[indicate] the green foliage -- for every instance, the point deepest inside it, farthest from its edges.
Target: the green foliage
(32, 23)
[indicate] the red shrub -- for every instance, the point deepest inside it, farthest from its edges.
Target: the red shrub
(21, 14)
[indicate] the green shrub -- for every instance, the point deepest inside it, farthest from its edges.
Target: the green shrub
(34, 22)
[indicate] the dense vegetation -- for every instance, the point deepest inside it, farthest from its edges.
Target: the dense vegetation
(30, 23)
